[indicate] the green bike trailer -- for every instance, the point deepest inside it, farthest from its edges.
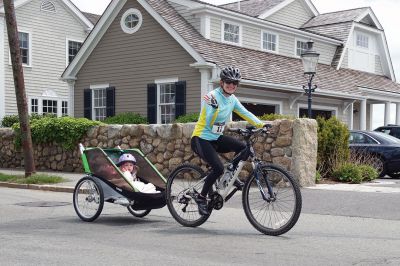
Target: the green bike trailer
(104, 182)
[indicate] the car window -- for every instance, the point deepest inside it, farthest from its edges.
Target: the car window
(389, 138)
(359, 138)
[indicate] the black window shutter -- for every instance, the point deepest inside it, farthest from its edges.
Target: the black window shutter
(110, 102)
(152, 103)
(87, 103)
(180, 98)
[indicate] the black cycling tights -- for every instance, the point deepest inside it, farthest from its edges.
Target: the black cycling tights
(207, 150)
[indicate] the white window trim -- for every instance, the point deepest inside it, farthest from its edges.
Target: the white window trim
(368, 41)
(67, 48)
(158, 82)
(222, 32)
(279, 104)
(96, 87)
(277, 41)
(333, 109)
(127, 13)
(50, 98)
(30, 49)
(295, 46)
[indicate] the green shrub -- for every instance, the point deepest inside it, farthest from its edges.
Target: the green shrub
(66, 131)
(188, 118)
(272, 117)
(333, 145)
(348, 172)
(9, 120)
(317, 177)
(368, 172)
(126, 118)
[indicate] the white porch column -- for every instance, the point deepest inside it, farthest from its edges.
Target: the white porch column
(397, 113)
(2, 77)
(351, 116)
(387, 113)
(363, 114)
(71, 100)
(205, 81)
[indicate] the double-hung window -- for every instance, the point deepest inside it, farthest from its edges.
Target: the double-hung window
(24, 46)
(73, 49)
(99, 104)
(49, 107)
(362, 41)
(231, 33)
(269, 41)
(64, 108)
(301, 47)
(34, 106)
(167, 103)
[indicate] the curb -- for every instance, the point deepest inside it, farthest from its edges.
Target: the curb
(53, 188)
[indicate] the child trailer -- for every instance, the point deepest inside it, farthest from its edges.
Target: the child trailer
(104, 182)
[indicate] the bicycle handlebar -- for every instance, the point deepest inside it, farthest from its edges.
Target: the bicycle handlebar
(251, 130)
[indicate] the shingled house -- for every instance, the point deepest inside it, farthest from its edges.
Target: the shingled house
(157, 57)
(50, 35)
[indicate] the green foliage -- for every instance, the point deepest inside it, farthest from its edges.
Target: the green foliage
(34, 179)
(10, 120)
(317, 177)
(348, 172)
(333, 145)
(126, 118)
(188, 118)
(66, 131)
(368, 172)
(272, 117)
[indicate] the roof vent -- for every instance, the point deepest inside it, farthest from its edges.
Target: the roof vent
(48, 6)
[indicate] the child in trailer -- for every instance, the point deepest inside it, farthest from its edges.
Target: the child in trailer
(127, 165)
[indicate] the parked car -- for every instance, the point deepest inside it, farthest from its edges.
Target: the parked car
(383, 149)
(392, 130)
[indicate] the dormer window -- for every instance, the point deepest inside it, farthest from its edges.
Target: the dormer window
(231, 33)
(301, 47)
(269, 42)
(362, 40)
(48, 6)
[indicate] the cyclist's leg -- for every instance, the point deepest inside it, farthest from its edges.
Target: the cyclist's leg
(207, 152)
(227, 144)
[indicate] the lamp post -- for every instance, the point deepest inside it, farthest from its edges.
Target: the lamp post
(310, 61)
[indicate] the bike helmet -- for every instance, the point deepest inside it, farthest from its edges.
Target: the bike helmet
(127, 157)
(230, 73)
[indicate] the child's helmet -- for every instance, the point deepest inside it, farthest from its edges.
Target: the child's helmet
(126, 157)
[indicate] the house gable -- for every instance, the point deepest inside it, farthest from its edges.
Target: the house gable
(293, 13)
(130, 62)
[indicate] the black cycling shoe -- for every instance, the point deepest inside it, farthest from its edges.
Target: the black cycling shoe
(202, 204)
(239, 184)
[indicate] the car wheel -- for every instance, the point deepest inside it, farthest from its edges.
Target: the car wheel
(378, 163)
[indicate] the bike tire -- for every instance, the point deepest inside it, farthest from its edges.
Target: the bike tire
(285, 209)
(88, 199)
(181, 180)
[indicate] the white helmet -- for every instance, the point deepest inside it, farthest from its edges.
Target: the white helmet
(126, 157)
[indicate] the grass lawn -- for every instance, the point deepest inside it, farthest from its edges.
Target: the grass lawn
(33, 179)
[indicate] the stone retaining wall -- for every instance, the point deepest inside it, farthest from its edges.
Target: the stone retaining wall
(291, 144)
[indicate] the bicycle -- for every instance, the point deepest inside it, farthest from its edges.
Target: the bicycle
(271, 197)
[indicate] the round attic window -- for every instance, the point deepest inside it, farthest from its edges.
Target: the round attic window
(131, 21)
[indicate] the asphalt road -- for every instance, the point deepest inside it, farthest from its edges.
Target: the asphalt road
(335, 228)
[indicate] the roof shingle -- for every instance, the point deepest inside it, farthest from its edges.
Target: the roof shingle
(335, 17)
(253, 8)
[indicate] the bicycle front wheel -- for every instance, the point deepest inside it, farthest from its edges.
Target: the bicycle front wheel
(183, 183)
(276, 213)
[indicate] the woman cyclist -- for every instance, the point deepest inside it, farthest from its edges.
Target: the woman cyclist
(208, 139)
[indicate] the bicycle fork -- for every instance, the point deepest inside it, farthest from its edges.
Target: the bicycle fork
(258, 173)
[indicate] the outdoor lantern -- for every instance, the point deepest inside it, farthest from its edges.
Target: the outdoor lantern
(310, 59)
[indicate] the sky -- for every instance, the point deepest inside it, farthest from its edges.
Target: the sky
(385, 10)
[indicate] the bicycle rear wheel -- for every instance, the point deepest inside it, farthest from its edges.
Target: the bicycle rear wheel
(183, 183)
(277, 214)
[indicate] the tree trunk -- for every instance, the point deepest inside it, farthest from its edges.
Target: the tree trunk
(19, 84)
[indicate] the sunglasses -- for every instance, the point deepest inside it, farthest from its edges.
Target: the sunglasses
(234, 82)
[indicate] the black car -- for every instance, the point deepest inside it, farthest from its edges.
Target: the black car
(392, 130)
(383, 149)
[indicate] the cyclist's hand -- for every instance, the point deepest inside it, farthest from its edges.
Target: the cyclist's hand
(267, 126)
(210, 100)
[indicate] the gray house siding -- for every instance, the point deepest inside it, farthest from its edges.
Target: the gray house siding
(131, 61)
(184, 12)
(293, 15)
(345, 62)
(48, 32)
(251, 38)
(378, 65)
